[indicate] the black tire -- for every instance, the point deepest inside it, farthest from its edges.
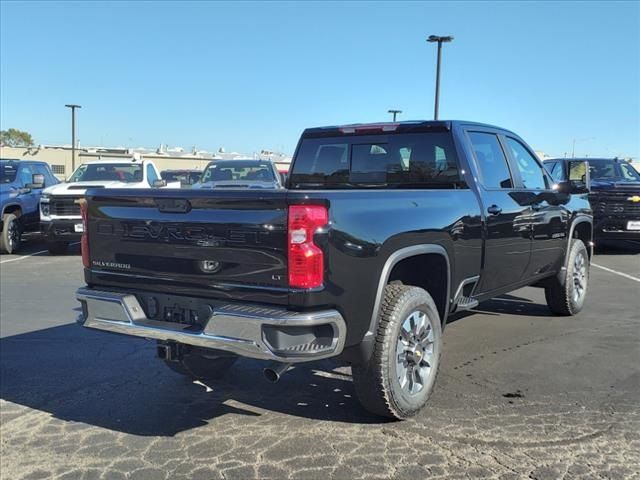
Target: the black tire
(57, 248)
(567, 298)
(11, 235)
(201, 368)
(377, 383)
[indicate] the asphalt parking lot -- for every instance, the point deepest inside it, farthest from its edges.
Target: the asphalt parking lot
(521, 394)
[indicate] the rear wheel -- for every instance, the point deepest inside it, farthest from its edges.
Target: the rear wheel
(567, 298)
(398, 379)
(199, 367)
(11, 235)
(57, 248)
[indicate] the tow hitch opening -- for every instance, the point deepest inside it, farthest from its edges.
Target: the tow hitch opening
(170, 351)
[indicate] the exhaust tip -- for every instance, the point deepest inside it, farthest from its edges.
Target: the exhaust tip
(275, 370)
(271, 375)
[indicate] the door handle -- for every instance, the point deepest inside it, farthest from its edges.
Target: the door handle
(494, 210)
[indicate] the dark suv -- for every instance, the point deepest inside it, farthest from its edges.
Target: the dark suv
(614, 198)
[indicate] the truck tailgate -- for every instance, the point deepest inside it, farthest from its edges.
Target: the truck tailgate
(210, 243)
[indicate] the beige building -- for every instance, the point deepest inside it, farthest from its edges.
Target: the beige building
(59, 157)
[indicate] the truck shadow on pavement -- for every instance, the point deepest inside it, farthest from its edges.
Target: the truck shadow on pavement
(505, 305)
(116, 383)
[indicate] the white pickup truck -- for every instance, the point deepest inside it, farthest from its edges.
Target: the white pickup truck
(59, 209)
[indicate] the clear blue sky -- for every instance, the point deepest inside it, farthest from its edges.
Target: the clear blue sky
(248, 76)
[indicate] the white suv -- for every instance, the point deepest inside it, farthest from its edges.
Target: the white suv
(59, 207)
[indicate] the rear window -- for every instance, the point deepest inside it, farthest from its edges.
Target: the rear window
(242, 171)
(106, 172)
(408, 160)
(8, 173)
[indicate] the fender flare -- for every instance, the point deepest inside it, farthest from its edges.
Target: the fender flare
(4, 209)
(393, 259)
(578, 220)
(562, 274)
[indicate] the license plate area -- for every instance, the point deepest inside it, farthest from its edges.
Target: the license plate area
(175, 309)
(633, 225)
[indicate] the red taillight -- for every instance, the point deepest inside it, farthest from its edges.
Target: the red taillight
(84, 241)
(306, 260)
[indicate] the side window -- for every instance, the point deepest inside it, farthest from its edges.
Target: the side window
(554, 169)
(151, 175)
(25, 176)
(532, 176)
(558, 172)
(494, 169)
(549, 167)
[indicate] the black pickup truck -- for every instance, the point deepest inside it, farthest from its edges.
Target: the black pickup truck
(614, 197)
(383, 231)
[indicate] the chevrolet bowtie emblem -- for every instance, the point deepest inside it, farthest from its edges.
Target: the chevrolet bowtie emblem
(634, 199)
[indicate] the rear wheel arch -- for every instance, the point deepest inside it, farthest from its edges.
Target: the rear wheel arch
(426, 266)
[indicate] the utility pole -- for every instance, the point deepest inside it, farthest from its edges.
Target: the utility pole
(73, 135)
(394, 113)
(573, 148)
(440, 40)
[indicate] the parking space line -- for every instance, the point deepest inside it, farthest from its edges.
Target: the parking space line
(31, 255)
(625, 275)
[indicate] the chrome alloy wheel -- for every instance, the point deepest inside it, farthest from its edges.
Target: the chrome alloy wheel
(579, 277)
(415, 354)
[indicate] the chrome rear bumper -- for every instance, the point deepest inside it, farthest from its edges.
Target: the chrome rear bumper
(236, 328)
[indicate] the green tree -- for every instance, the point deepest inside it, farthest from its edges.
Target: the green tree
(15, 138)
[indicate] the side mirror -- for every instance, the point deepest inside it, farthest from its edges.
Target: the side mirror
(159, 183)
(37, 181)
(578, 178)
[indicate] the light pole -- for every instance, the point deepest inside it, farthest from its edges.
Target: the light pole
(73, 135)
(573, 147)
(394, 113)
(440, 40)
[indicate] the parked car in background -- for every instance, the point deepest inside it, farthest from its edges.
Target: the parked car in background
(59, 208)
(240, 174)
(21, 184)
(384, 230)
(614, 198)
(185, 177)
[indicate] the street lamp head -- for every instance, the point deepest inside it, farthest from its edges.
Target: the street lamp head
(394, 111)
(73, 106)
(439, 39)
